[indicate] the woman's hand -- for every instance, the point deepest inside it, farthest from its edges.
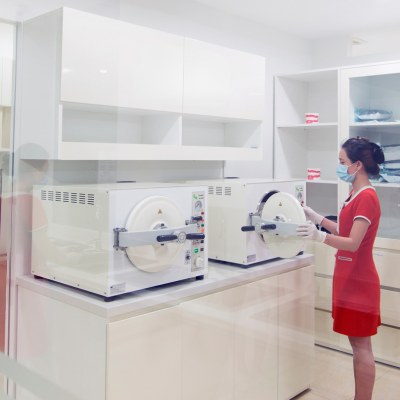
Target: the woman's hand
(312, 215)
(310, 231)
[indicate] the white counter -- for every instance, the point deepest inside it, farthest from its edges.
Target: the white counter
(238, 334)
(220, 276)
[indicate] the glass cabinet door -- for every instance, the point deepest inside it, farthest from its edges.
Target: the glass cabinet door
(370, 107)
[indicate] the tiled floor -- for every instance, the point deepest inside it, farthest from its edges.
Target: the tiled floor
(333, 378)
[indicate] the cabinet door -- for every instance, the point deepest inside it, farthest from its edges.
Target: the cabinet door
(256, 339)
(62, 343)
(296, 331)
(208, 344)
(109, 62)
(222, 82)
(143, 357)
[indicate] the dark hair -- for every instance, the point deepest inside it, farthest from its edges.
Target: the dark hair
(369, 153)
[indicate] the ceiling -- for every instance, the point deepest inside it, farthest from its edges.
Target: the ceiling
(312, 19)
(309, 19)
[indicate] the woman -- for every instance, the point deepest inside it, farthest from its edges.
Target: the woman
(356, 287)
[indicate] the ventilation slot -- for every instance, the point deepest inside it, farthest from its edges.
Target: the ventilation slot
(228, 191)
(219, 190)
(67, 197)
(211, 190)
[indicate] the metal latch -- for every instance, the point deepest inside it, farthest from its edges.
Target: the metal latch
(124, 239)
(277, 225)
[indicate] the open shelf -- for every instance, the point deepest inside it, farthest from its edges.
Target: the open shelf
(221, 132)
(100, 124)
(308, 126)
(323, 181)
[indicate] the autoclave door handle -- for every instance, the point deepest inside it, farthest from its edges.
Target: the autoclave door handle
(166, 238)
(195, 236)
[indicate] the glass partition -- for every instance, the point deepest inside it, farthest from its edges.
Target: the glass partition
(7, 63)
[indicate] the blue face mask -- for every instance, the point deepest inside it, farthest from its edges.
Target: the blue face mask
(341, 172)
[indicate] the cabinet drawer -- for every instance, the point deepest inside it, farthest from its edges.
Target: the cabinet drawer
(323, 293)
(387, 263)
(323, 329)
(390, 307)
(324, 259)
(386, 345)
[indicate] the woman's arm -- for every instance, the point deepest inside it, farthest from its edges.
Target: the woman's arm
(351, 243)
(329, 225)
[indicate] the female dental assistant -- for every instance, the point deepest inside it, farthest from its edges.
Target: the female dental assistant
(356, 287)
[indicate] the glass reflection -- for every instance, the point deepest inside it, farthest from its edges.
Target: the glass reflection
(7, 54)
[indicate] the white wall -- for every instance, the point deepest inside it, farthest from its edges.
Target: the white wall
(380, 46)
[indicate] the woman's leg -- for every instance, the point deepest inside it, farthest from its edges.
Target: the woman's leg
(364, 367)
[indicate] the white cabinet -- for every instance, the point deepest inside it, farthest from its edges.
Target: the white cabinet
(113, 63)
(386, 343)
(250, 341)
(144, 357)
(223, 82)
(299, 146)
(107, 89)
(296, 332)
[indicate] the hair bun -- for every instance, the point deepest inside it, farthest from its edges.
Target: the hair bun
(377, 153)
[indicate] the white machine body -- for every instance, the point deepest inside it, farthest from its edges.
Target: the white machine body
(111, 239)
(230, 204)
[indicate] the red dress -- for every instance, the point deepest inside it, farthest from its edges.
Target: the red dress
(356, 286)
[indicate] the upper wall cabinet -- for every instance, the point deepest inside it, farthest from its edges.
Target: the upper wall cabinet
(109, 62)
(223, 82)
(96, 88)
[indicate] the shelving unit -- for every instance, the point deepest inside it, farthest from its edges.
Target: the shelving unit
(374, 87)
(299, 146)
(117, 91)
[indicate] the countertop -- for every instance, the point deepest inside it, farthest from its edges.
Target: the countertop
(220, 276)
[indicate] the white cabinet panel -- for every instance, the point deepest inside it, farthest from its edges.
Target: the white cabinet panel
(256, 336)
(324, 258)
(296, 331)
(387, 264)
(62, 343)
(143, 357)
(114, 63)
(222, 82)
(208, 347)
(324, 333)
(386, 345)
(323, 293)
